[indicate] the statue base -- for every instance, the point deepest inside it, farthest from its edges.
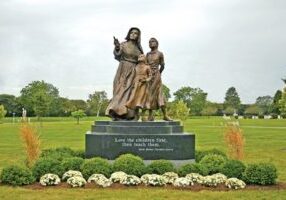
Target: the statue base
(149, 140)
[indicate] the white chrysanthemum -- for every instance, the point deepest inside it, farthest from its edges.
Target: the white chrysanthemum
(170, 177)
(153, 180)
(131, 180)
(71, 173)
(117, 176)
(50, 179)
(76, 181)
(235, 183)
(195, 178)
(220, 178)
(99, 179)
(181, 182)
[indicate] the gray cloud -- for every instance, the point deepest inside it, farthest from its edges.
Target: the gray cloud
(207, 44)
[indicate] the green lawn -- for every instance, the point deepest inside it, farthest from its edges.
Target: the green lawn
(265, 141)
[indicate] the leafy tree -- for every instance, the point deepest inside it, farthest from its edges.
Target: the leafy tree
(78, 104)
(282, 103)
(195, 98)
(229, 110)
(39, 97)
(166, 92)
(253, 110)
(231, 98)
(178, 110)
(264, 103)
(97, 103)
(275, 104)
(3, 112)
(78, 114)
(210, 109)
(11, 104)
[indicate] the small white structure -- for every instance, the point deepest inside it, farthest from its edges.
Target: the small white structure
(254, 117)
(267, 117)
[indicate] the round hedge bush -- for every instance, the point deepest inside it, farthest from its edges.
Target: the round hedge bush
(233, 169)
(261, 174)
(95, 165)
(213, 162)
(16, 175)
(200, 154)
(73, 163)
(160, 167)
(130, 164)
(47, 166)
(193, 168)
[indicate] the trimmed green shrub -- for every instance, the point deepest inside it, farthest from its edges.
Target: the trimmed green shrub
(47, 165)
(95, 165)
(79, 153)
(58, 153)
(16, 175)
(233, 169)
(160, 167)
(193, 168)
(130, 164)
(261, 174)
(200, 154)
(213, 162)
(73, 163)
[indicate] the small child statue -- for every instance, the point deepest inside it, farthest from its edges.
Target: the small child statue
(139, 94)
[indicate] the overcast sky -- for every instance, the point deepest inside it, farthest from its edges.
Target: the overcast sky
(211, 44)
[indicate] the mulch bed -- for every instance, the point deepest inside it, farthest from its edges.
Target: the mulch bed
(195, 188)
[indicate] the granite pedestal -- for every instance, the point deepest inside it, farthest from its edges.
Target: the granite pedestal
(149, 140)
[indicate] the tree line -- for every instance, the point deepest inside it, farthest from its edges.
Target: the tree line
(42, 99)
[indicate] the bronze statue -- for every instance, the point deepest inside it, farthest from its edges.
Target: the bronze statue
(127, 54)
(155, 58)
(139, 95)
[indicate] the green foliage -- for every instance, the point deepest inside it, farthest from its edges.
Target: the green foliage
(261, 174)
(166, 92)
(264, 103)
(233, 169)
(73, 163)
(193, 168)
(58, 153)
(195, 98)
(95, 165)
(200, 154)
(214, 163)
(16, 175)
(275, 104)
(11, 104)
(47, 165)
(97, 103)
(231, 98)
(252, 110)
(78, 114)
(179, 110)
(3, 112)
(282, 103)
(129, 164)
(40, 97)
(160, 167)
(209, 110)
(79, 153)
(229, 110)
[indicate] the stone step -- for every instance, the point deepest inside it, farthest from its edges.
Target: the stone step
(138, 123)
(134, 129)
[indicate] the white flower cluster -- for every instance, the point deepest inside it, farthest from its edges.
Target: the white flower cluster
(99, 179)
(214, 180)
(170, 177)
(117, 176)
(235, 183)
(76, 181)
(130, 180)
(153, 180)
(195, 178)
(182, 182)
(50, 179)
(71, 173)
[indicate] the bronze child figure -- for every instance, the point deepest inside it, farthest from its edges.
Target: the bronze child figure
(155, 59)
(139, 94)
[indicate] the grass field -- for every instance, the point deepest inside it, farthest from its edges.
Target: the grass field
(265, 142)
